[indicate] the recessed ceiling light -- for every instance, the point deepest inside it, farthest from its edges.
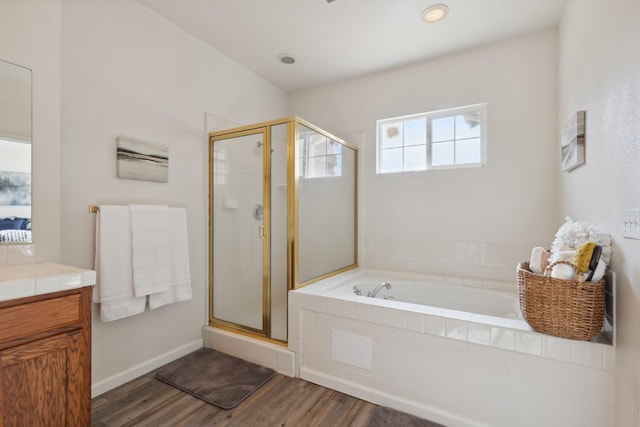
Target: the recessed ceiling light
(435, 13)
(285, 58)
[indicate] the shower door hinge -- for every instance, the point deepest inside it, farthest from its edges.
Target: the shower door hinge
(261, 232)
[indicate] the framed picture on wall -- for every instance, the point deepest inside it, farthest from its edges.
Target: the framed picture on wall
(573, 140)
(142, 160)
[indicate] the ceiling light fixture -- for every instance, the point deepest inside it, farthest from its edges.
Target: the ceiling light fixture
(435, 13)
(285, 58)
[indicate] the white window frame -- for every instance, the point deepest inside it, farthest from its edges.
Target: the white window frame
(429, 117)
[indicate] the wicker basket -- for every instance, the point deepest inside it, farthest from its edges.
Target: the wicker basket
(571, 309)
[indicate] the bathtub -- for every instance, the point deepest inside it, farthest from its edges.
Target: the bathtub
(452, 350)
(452, 298)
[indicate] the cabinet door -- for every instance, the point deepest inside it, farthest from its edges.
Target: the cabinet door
(35, 381)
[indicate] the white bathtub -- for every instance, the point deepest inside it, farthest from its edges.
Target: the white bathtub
(437, 295)
(458, 355)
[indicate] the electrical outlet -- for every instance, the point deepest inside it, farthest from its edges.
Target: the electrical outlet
(631, 223)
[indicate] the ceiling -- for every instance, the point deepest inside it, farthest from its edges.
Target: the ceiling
(347, 38)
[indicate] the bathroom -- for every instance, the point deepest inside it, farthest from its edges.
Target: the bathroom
(102, 68)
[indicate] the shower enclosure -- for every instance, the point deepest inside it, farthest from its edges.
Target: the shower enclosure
(283, 214)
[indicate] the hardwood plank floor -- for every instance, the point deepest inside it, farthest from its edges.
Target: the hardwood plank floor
(282, 401)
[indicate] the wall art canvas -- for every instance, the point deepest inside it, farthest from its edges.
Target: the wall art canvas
(15, 189)
(573, 141)
(142, 160)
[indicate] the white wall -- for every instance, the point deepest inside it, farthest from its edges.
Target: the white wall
(511, 201)
(600, 73)
(16, 156)
(30, 37)
(15, 102)
(128, 71)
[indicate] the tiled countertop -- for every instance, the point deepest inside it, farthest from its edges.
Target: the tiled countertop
(18, 281)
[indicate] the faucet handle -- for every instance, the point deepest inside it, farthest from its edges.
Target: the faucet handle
(357, 290)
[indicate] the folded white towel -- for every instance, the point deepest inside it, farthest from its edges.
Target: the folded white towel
(539, 260)
(563, 271)
(150, 249)
(180, 286)
(114, 287)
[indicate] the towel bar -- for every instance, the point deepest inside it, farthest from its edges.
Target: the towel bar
(94, 208)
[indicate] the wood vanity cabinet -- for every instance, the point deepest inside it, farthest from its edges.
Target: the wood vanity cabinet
(45, 360)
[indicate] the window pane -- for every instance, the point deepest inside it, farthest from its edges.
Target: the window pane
(439, 139)
(391, 160)
(317, 167)
(334, 166)
(442, 129)
(442, 153)
(391, 134)
(317, 145)
(415, 132)
(468, 151)
(334, 147)
(415, 158)
(468, 125)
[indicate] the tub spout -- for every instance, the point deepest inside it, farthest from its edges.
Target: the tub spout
(374, 292)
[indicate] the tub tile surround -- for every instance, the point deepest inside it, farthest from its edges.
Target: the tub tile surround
(480, 263)
(439, 339)
(513, 335)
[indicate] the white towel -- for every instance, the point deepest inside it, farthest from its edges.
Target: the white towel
(563, 271)
(180, 287)
(114, 288)
(150, 249)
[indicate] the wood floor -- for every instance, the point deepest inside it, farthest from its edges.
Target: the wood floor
(283, 401)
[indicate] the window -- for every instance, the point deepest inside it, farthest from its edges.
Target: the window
(220, 166)
(437, 140)
(320, 156)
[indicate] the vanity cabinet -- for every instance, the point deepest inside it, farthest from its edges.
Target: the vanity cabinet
(45, 359)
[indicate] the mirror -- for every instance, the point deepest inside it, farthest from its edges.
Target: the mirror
(15, 153)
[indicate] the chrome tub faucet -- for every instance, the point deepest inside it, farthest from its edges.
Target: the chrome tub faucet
(374, 292)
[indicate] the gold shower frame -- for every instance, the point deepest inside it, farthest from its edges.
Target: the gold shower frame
(264, 128)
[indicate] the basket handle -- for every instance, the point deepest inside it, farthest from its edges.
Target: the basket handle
(579, 276)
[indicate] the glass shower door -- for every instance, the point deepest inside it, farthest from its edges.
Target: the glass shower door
(239, 213)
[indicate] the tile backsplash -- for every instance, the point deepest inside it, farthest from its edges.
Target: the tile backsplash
(17, 254)
(483, 260)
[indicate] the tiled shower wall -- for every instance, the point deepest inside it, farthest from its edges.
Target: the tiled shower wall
(481, 260)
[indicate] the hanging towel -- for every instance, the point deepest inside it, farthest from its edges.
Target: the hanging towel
(180, 286)
(150, 249)
(114, 287)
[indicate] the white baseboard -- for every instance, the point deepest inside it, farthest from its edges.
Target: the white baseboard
(381, 398)
(142, 368)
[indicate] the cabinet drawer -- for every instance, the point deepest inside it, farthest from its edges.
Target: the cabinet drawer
(39, 317)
